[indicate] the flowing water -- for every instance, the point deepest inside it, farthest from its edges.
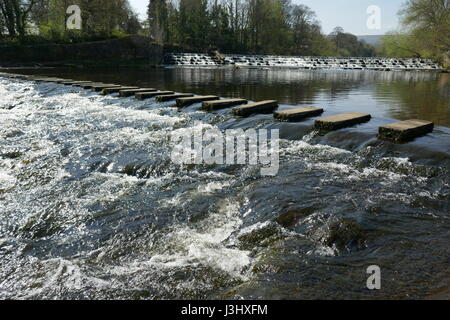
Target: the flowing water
(92, 206)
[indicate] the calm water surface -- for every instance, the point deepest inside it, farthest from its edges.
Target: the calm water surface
(92, 206)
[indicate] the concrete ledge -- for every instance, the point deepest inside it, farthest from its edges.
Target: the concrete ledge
(184, 102)
(87, 85)
(148, 95)
(100, 87)
(75, 83)
(341, 120)
(405, 130)
(221, 104)
(267, 106)
(116, 89)
(132, 92)
(45, 79)
(171, 97)
(297, 114)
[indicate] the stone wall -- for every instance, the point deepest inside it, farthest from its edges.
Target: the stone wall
(351, 63)
(128, 48)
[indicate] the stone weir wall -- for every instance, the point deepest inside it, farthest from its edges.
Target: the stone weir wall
(124, 49)
(351, 63)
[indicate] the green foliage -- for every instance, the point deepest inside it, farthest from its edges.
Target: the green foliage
(246, 26)
(238, 26)
(348, 45)
(425, 31)
(101, 19)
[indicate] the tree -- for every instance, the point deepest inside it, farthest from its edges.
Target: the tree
(348, 44)
(305, 29)
(425, 31)
(15, 14)
(2, 26)
(158, 22)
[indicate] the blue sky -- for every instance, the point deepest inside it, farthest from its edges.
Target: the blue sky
(349, 14)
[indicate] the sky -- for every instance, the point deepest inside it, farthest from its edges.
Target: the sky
(349, 14)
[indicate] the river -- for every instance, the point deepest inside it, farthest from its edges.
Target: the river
(92, 207)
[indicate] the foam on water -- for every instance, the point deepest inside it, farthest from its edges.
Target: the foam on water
(93, 200)
(201, 245)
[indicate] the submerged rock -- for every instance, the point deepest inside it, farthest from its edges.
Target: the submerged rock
(261, 237)
(290, 218)
(343, 234)
(11, 154)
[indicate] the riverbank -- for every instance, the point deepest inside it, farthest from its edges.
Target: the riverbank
(132, 51)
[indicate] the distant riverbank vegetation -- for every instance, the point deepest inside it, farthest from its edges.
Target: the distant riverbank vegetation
(231, 26)
(424, 32)
(44, 21)
(249, 26)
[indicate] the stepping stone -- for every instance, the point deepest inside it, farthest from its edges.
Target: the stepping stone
(221, 104)
(405, 130)
(45, 79)
(267, 106)
(116, 89)
(64, 80)
(75, 83)
(148, 95)
(87, 85)
(132, 92)
(297, 114)
(100, 87)
(184, 102)
(341, 120)
(170, 97)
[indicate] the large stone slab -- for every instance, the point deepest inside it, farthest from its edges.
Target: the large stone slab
(100, 87)
(132, 92)
(64, 80)
(297, 114)
(45, 79)
(148, 95)
(116, 89)
(341, 120)
(221, 104)
(184, 102)
(267, 106)
(171, 97)
(87, 85)
(76, 83)
(405, 130)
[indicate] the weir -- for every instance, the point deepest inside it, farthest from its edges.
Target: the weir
(302, 62)
(397, 132)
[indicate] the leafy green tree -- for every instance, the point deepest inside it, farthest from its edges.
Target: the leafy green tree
(15, 15)
(425, 31)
